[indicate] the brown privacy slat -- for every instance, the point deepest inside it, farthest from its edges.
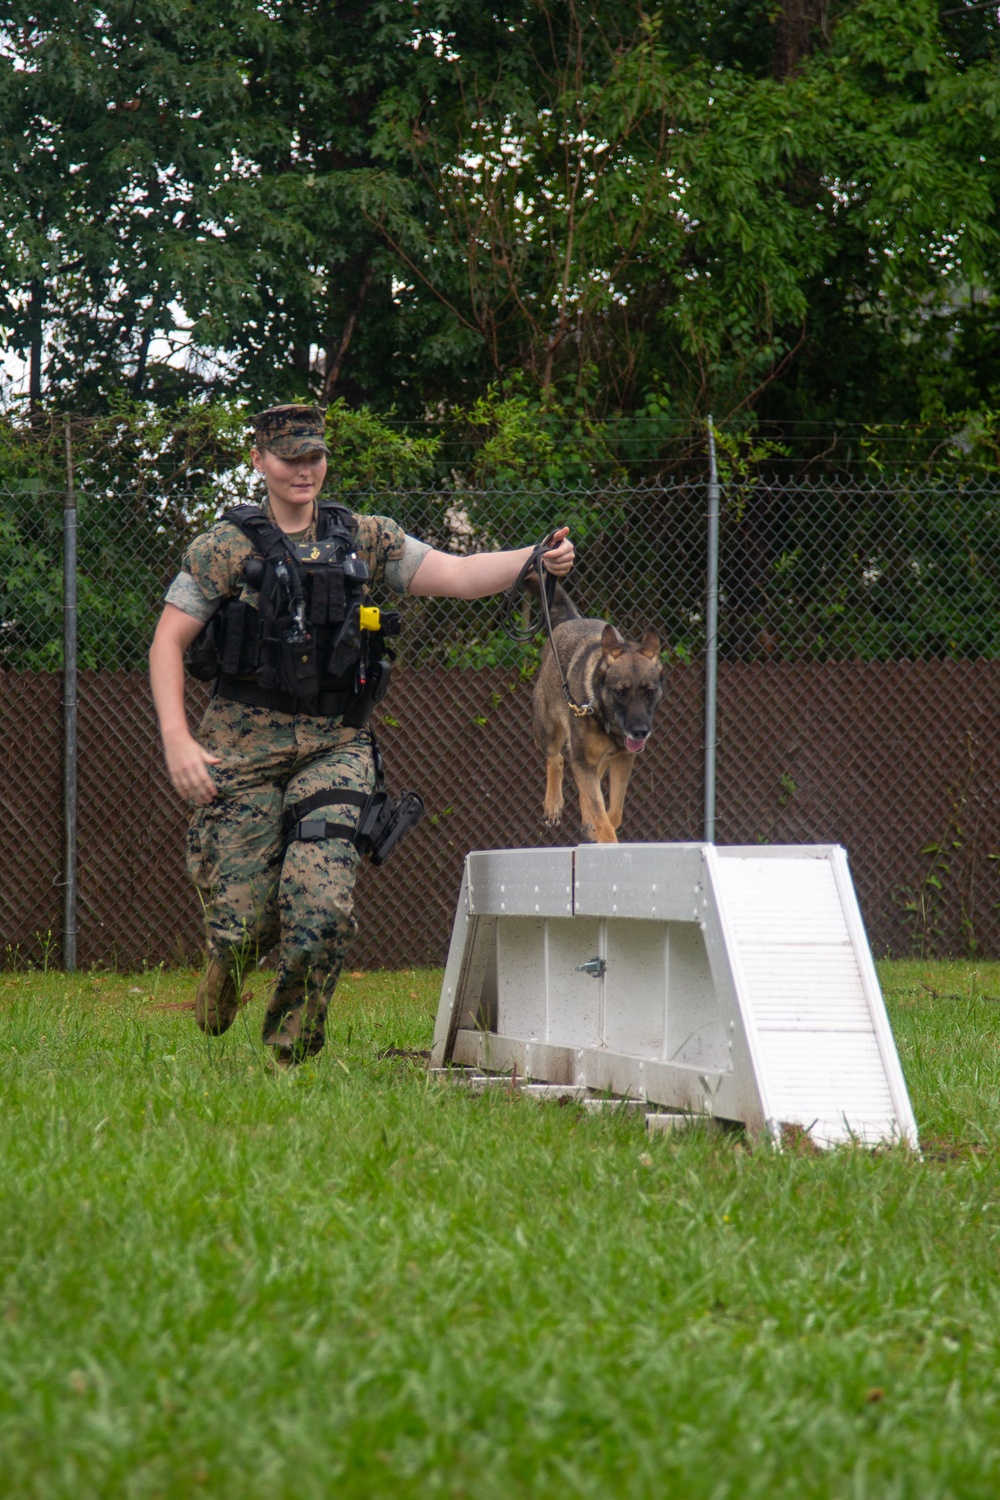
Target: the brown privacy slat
(30, 816)
(884, 757)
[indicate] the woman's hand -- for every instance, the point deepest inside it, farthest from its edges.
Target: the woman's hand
(187, 767)
(559, 560)
(187, 761)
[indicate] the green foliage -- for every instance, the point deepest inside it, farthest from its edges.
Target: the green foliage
(116, 127)
(902, 570)
(532, 441)
(531, 467)
(495, 650)
(660, 217)
(623, 215)
(374, 453)
(31, 580)
(147, 479)
(895, 567)
(977, 441)
(196, 447)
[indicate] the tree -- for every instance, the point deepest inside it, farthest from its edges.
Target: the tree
(783, 209)
(116, 123)
(623, 212)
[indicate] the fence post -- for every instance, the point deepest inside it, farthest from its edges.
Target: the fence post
(69, 709)
(711, 635)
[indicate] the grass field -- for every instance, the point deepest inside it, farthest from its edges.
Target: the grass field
(354, 1281)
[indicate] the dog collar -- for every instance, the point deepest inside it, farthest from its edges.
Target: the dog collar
(581, 710)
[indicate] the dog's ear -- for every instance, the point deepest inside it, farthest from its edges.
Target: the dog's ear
(611, 642)
(650, 645)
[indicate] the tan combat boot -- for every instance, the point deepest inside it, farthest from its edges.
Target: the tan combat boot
(217, 1000)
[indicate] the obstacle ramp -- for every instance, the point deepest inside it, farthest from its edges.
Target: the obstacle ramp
(735, 982)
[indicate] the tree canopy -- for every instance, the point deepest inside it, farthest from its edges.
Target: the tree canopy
(781, 209)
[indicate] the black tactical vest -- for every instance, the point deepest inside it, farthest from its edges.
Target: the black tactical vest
(309, 635)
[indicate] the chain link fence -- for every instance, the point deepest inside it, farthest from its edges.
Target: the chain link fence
(858, 646)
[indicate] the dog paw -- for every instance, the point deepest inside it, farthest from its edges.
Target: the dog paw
(552, 820)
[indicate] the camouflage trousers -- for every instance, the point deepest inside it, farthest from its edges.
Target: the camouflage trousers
(259, 892)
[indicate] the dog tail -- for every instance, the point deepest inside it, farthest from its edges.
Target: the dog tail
(563, 607)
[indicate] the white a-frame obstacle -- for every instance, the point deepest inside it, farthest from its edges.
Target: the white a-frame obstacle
(731, 981)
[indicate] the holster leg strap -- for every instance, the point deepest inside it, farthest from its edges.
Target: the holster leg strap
(311, 830)
(300, 826)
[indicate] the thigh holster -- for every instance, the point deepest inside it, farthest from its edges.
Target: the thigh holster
(380, 826)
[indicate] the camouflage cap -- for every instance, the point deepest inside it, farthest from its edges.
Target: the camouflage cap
(290, 431)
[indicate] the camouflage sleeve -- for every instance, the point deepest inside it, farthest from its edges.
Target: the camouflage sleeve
(187, 595)
(399, 575)
(214, 562)
(391, 555)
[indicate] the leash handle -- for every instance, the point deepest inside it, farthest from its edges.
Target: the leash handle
(547, 584)
(546, 591)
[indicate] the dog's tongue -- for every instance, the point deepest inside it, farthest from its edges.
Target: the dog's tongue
(634, 745)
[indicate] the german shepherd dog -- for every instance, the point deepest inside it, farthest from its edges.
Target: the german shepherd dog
(622, 684)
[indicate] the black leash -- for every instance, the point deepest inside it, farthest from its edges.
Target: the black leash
(547, 584)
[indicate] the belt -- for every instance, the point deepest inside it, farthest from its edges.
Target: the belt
(320, 705)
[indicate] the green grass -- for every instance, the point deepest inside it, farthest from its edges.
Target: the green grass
(354, 1281)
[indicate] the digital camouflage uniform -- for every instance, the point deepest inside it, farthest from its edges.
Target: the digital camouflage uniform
(256, 891)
